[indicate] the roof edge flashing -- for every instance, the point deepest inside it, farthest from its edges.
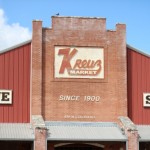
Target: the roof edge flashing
(15, 46)
(137, 50)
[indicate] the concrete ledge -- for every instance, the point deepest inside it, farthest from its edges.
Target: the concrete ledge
(128, 124)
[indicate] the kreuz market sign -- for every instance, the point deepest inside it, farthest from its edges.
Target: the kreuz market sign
(79, 62)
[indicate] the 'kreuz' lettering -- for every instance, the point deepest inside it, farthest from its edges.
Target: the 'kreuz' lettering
(66, 59)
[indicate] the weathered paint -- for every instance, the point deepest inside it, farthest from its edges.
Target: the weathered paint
(15, 75)
(138, 83)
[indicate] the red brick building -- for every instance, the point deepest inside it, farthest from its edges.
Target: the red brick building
(75, 85)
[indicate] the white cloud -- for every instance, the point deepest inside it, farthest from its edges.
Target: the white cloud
(11, 34)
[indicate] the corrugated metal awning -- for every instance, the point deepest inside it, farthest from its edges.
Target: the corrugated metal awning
(79, 131)
(144, 132)
(16, 132)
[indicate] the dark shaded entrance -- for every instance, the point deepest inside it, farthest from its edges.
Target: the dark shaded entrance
(144, 145)
(16, 145)
(86, 146)
(78, 147)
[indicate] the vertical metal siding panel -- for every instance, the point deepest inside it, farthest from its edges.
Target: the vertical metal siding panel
(6, 83)
(143, 89)
(140, 95)
(137, 92)
(11, 85)
(138, 86)
(129, 81)
(1, 108)
(28, 80)
(24, 82)
(147, 89)
(26, 85)
(148, 82)
(134, 83)
(6, 68)
(144, 115)
(25, 100)
(21, 85)
(16, 87)
(148, 74)
(1, 85)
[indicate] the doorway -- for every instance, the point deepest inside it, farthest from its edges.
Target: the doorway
(144, 145)
(16, 145)
(78, 147)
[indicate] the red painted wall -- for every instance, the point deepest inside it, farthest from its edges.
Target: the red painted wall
(138, 83)
(15, 75)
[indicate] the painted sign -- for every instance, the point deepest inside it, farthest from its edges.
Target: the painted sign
(146, 99)
(79, 62)
(77, 98)
(5, 96)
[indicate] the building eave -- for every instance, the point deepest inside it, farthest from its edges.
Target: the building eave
(15, 46)
(138, 51)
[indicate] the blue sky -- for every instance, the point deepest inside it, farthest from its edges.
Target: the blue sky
(16, 17)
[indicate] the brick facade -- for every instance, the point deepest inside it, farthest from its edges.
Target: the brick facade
(40, 142)
(36, 73)
(79, 32)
